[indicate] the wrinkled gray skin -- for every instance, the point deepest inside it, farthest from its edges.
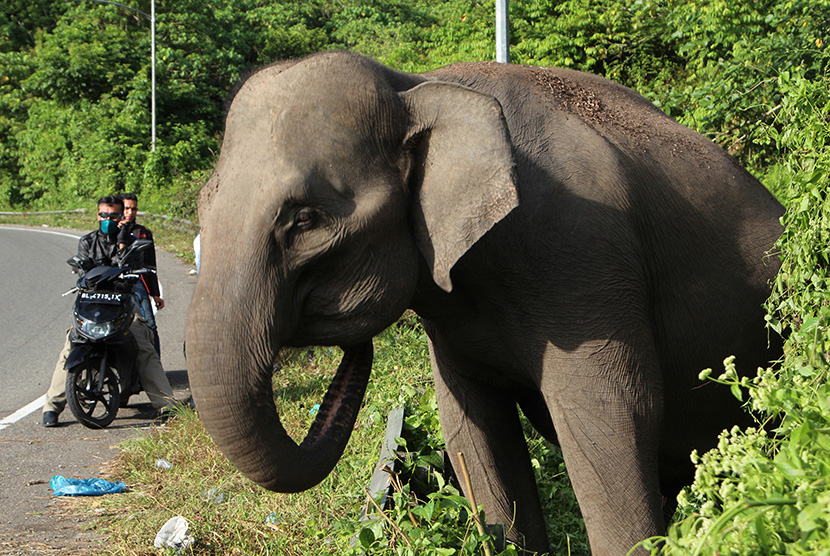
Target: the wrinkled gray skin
(570, 249)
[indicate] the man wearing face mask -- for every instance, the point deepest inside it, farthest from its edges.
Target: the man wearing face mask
(108, 243)
(106, 246)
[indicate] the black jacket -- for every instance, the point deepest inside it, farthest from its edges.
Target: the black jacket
(101, 249)
(97, 248)
(150, 280)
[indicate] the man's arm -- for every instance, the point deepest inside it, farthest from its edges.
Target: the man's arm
(150, 254)
(85, 253)
(150, 280)
(84, 247)
(124, 240)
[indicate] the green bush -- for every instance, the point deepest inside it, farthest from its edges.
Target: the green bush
(734, 53)
(768, 492)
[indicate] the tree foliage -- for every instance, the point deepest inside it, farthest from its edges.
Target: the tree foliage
(75, 86)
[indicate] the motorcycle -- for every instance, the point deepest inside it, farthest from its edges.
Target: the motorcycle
(101, 367)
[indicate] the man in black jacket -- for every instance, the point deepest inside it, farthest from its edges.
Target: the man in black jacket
(148, 286)
(107, 246)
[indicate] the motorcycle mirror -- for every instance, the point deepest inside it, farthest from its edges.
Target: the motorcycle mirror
(137, 246)
(140, 245)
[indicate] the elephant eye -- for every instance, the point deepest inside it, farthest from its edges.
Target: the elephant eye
(304, 218)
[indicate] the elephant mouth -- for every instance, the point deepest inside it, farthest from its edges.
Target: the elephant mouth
(336, 329)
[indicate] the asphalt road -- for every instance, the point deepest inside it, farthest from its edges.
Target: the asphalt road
(34, 318)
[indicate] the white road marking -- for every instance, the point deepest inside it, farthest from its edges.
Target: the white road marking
(23, 412)
(40, 231)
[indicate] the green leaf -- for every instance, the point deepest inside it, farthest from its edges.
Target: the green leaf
(366, 537)
(811, 517)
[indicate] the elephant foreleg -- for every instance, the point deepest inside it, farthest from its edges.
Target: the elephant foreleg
(482, 422)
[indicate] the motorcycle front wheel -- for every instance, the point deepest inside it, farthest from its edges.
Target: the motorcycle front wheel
(94, 407)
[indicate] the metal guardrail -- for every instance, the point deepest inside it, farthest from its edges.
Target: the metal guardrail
(37, 213)
(162, 217)
(170, 219)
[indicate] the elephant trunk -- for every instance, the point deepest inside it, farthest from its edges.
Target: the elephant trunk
(234, 397)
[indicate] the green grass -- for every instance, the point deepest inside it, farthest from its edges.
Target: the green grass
(323, 520)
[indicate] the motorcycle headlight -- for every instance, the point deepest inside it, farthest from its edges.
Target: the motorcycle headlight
(96, 330)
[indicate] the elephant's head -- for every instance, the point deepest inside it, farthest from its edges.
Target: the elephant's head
(337, 180)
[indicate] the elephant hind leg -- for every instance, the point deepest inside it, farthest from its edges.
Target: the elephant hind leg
(482, 422)
(607, 409)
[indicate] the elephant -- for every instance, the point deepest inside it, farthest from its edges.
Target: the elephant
(571, 251)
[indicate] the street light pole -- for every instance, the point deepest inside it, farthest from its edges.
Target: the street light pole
(153, 73)
(152, 17)
(503, 31)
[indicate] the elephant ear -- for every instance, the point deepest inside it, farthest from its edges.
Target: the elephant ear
(462, 175)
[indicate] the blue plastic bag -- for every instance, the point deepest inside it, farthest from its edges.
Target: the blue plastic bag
(85, 487)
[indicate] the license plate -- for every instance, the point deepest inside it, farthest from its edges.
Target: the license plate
(106, 298)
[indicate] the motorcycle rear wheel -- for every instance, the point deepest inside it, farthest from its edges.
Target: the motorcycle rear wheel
(93, 408)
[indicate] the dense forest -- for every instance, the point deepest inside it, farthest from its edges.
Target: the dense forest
(754, 77)
(75, 81)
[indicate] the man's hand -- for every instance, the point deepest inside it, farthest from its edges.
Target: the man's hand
(159, 302)
(123, 235)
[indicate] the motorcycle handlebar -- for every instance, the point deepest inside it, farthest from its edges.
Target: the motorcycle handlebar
(136, 273)
(131, 274)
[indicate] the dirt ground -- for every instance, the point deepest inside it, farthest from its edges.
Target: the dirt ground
(60, 530)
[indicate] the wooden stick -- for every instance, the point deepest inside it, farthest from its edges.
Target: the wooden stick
(386, 517)
(395, 479)
(472, 500)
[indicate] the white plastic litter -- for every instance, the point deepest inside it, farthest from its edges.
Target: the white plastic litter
(164, 464)
(173, 534)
